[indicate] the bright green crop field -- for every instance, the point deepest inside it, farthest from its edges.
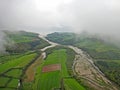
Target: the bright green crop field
(52, 80)
(18, 62)
(71, 84)
(11, 71)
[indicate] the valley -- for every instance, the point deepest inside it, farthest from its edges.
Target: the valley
(59, 66)
(105, 55)
(85, 69)
(59, 44)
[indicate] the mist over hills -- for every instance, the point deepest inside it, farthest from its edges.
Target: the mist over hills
(106, 55)
(88, 49)
(99, 17)
(5, 40)
(94, 16)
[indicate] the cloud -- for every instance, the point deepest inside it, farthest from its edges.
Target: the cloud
(3, 42)
(94, 16)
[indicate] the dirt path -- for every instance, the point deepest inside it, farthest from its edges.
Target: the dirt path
(52, 67)
(84, 68)
(30, 72)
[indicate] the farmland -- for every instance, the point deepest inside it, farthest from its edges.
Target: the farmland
(29, 65)
(106, 55)
(19, 55)
(71, 84)
(24, 41)
(53, 79)
(11, 71)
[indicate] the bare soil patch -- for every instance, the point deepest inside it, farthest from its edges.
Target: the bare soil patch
(50, 68)
(30, 72)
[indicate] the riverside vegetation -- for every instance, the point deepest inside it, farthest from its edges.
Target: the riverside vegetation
(105, 55)
(24, 59)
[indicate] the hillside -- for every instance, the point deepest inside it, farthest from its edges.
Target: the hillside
(24, 65)
(24, 41)
(31, 63)
(106, 55)
(23, 51)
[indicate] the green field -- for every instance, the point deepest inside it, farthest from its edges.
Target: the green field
(20, 53)
(23, 41)
(3, 81)
(5, 58)
(21, 36)
(27, 47)
(14, 73)
(11, 71)
(71, 84)
(53, 79)
(13, 83)
(105, 54)
(18, 62)
(96, 47)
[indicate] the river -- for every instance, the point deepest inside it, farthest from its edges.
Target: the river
(84, 67)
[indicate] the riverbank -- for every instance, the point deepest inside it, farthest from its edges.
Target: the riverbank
(84, 68)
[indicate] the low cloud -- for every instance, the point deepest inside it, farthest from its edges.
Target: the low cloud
(3, 42)
(94, 16)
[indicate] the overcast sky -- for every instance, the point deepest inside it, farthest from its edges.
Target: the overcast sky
(44, 16)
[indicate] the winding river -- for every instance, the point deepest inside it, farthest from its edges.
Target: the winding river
(84, 67)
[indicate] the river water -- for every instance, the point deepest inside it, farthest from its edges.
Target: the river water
(85, 58)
